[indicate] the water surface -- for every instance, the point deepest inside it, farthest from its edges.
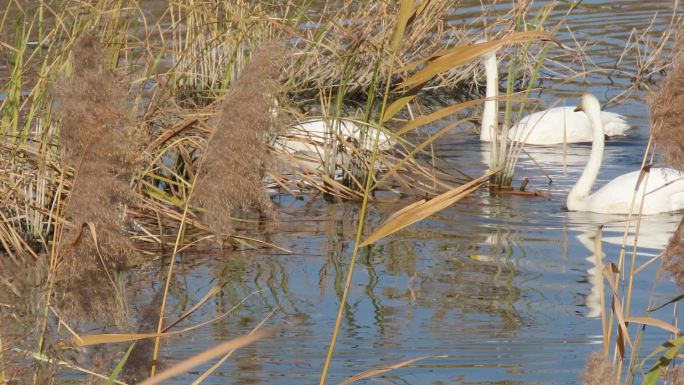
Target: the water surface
(502, 287)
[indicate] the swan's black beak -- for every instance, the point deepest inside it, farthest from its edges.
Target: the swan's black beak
(578, 108)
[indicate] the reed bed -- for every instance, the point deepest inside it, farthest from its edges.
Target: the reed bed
(127, 135)
(155, 69)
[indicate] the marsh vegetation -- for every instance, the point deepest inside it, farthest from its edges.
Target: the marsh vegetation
(165, 212)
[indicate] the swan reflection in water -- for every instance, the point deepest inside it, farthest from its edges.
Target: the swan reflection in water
(508, 246)
(654, 233)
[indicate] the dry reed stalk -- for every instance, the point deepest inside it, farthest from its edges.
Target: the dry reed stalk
(212, 41)
(97, 143)
(237, 153)
(599, 370)
(667, 128)
(349, 41)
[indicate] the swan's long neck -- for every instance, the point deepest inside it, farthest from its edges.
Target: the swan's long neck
(582, 188)
(490, 111)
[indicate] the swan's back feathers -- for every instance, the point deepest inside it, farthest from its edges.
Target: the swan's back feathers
(563, 125)
(614, 124)
(664, 192)
(311, 137)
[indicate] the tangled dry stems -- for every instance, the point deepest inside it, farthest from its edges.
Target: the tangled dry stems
(354, 41)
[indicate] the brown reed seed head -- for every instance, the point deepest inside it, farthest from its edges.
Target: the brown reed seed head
(667, 111)
(667, 122)
(673, 256)
(237, 152)
(675, 376)
(96, 141)
(599, 370)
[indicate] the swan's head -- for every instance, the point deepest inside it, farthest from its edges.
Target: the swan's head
(587, 103)
(487, 57)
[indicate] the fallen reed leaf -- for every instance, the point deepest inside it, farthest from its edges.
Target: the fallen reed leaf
(405, 13)
(205, 356)
(223, 359)
(610, 272)
(450, 59)
(424, 209)
(385, 369)
(654, 322)
(212, 292)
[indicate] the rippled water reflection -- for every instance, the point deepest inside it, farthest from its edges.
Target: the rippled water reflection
(503, 286)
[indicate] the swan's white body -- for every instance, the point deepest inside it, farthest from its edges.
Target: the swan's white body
(311, 141)
(552, 126)
(562, 125)
(664, 187)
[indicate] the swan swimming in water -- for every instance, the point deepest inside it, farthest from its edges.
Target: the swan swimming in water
(664, 186)
(552, 126)
(310, 141)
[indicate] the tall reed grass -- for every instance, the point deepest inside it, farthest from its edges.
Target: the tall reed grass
(624, 327)
(128, 133)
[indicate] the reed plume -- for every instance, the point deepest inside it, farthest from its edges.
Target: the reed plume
(675, 376)
(667, 111)
(237, 151)
(96, 141)
(599, 370)
(667, 122)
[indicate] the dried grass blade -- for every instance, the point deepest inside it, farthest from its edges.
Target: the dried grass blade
(654, 322)
(395, 167)
(444, 112)
(212, 292)
(223, 359)
(405, 12)
(398, 104)
(421, 7)
(375, 372)
(113, 338)
(463, 54)
(623, 332)
(203, 357)
(425, 209)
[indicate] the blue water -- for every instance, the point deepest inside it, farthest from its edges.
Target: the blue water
(500, 287)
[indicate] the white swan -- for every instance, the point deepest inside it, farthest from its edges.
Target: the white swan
(552, 126)
(311, 141)
(664, 186)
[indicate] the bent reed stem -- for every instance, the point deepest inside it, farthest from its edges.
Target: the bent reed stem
(368, 187)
